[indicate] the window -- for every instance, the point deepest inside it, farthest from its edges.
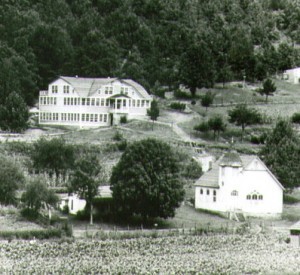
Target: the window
(124, 103)
(138, 103)
(83, 117)
(133, 103)
(87, 117)
(100, 117)
(234, 193)
(65, 101)
(201, 191)
(87, 102)
(105, 118)
(214, 196)
(93, 102)
(83, 101)
(107, 102)
(54, 100)
(97, 102)
(122, 90)
(207, 192)
(54, 89)
(102, 101)
(143, 103)
(66, 89)
(254, 196)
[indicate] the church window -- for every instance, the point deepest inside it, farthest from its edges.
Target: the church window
(207, 192)
(201, 191)
(260, 197)
(248, 197)
(234, 193)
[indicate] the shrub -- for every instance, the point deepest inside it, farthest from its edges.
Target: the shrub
(296, 118)
(202, 127)
(192, 170)
(178, 106)
(181, 95)
(260, 139)
(118, 136)
(123, 119)
(193, 102)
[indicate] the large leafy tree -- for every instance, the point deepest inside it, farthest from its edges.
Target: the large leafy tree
(53, 156)
(146, 180)
(282, 154)
(197, 67)
(14, 113)
(11, 179)
(37, 194)
(243, 116)
(86, 179)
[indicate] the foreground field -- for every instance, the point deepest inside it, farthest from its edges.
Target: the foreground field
(217, 254)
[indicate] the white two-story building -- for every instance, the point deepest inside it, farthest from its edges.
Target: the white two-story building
(88, 102)
(240, 184)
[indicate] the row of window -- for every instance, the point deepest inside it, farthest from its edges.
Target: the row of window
(108, 90)
(46, 116)
(70, 101)
(46, 100)
(252, 196)
(208, 193)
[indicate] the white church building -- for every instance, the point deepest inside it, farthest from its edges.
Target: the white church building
(240, 184)
(88, 102)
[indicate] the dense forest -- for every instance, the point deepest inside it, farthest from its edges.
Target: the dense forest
(155, 42)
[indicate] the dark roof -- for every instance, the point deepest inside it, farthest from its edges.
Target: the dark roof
(231, 159)
(211, 177)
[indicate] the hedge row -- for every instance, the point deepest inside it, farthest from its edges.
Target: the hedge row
(31, 234)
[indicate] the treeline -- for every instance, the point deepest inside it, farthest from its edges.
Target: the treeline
(155, 42)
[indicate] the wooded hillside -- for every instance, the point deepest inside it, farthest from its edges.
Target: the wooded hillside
(155, 42)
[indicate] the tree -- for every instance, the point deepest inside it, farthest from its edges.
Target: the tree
(153, 112)
(12, 178)
(207, 99)
(86, 179)
(243, 116)
(217, 125)
(281, 153)
(38, 194)
(146, 180)
(197, 68)
(268, 88)
(14, 113)
(52, 156)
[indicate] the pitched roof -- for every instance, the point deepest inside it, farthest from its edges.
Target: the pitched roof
(231, 159)
(211, 178)
(87, 86)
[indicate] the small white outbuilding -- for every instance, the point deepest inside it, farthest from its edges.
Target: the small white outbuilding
(292, 75)
(240, 184)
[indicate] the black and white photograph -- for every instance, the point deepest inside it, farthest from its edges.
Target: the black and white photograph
(150, 137)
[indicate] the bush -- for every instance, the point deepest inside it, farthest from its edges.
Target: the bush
(193, 102)
(178, 106)
(260, 139)
(296, 118)
(192, 170)
(118, 136)
(123, 119)
(288, 199)
(202, 127)
(181, 95)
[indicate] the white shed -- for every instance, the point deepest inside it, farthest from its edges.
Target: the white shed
(292, 75)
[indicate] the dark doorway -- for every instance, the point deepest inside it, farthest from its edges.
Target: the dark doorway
(111, 119)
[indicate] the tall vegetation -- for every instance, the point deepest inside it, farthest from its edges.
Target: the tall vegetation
(12, 179)
(151, 42)
(85, 180)
(146, 180)
(282, 154)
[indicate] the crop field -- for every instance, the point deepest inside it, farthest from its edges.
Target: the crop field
(186, 254)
